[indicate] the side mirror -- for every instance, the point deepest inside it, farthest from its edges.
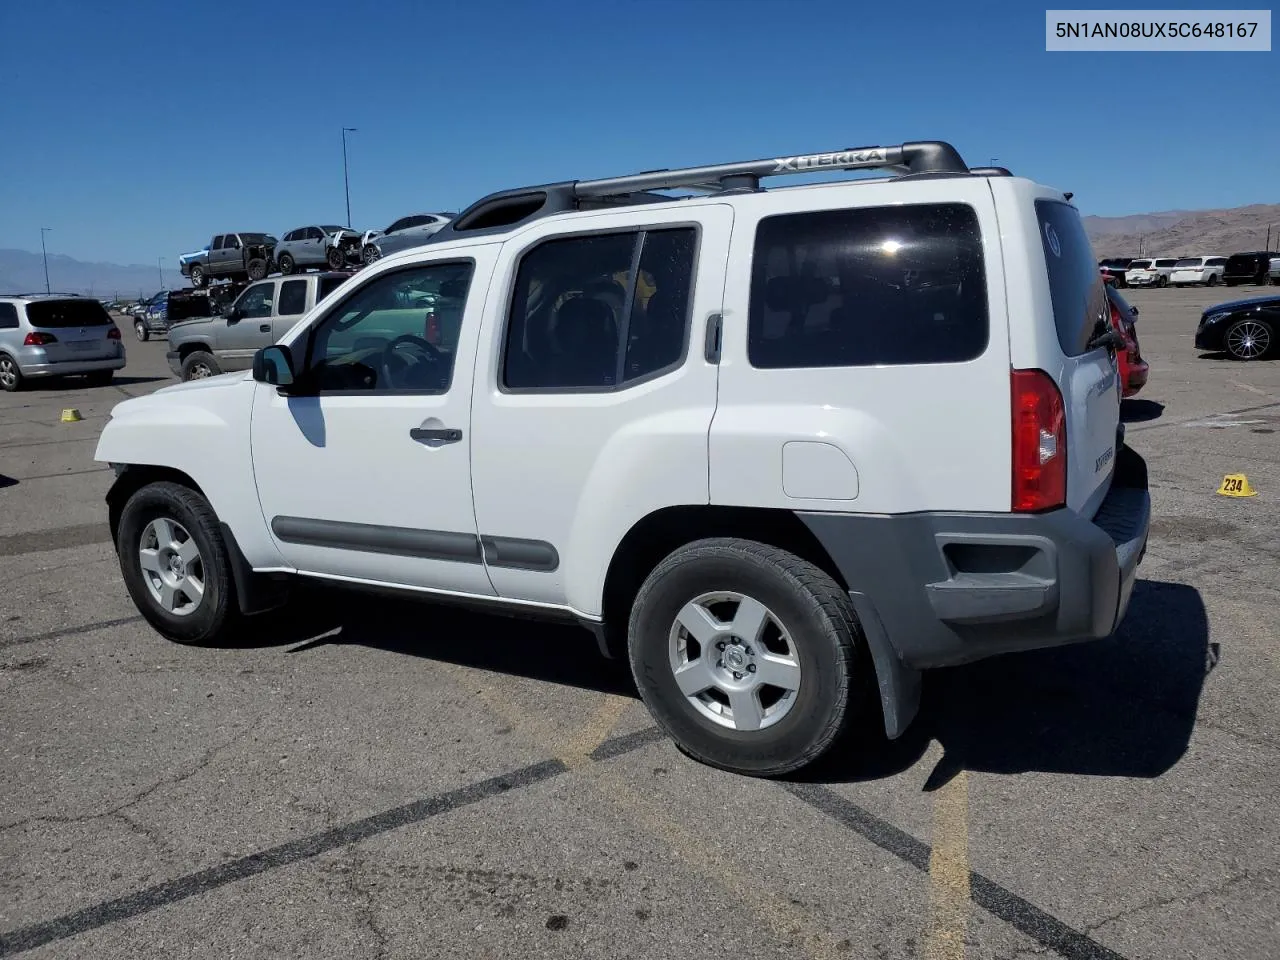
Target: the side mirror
(274, 365)
(233, 314)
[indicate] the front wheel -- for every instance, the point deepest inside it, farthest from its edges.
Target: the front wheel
(335, 258)
(286, 264)
(748, 657)
(198, 365)
(141, 332)
(197, 276)
(1249, 339)
(175, 564)
(369, 254)
(1163, 281)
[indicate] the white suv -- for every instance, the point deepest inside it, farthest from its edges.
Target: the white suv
(1206, 270)
(783, 448)
(1150, 273)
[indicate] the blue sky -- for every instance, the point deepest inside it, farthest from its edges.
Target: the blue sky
(137, 129)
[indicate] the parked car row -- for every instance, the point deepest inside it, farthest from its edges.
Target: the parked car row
(251, 256)
(1258, 267)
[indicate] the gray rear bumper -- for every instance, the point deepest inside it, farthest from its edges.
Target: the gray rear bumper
(948, 588)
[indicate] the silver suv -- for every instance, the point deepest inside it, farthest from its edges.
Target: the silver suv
(51, 335)
(406, 232)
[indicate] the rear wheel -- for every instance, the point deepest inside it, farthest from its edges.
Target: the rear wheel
(198, 365)
(175, 564)
(286, 264)
(335, 258)
(10, 375)
(197, 276)
(1249, 339)
(749, 657)
(1212, 281)
(257, 268)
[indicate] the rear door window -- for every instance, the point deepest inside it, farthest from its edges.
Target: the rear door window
(866, 286)
(293, 298)
(328, 285)
(8, 316)
(1079, 298)
(55, 314)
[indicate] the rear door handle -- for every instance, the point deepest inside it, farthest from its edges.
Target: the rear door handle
(436, 436)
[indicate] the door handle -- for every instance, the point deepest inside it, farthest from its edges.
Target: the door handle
(436, 436)
(264, 327)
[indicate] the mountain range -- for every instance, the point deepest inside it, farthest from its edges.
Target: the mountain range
(1169, 233)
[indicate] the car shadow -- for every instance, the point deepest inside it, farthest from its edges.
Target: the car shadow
(7, 481)
(127, 381)
(1120, 707)
(1140, 411)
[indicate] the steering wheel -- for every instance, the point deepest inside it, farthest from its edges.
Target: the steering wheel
(423, 349)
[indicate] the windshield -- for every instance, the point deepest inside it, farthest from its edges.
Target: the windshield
(54, 314)
(1140, 265)
(332, 229)
(1188, 262)
(257, 238)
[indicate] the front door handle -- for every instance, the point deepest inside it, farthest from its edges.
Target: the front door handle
(264, 327)
(436, 436)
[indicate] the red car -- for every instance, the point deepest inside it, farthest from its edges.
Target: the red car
(1133, 369)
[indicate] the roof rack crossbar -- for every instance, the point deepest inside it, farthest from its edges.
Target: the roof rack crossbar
(932, 156)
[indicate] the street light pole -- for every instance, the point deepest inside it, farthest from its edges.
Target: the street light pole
(346, 185)
(45, 256)
(160, 264)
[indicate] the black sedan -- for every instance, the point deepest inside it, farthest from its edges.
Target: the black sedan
(1245, 329)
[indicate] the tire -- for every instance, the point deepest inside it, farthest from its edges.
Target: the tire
(185, 517)
(1249, 339)
(141, 332)
(197, 276)
(819, 634)
(10, 375)
(199, 364)
(286, 264)
(1163, 281)
(335, 258)
(257, 268)
(369, 254)
(1212, 281)
(100, 378)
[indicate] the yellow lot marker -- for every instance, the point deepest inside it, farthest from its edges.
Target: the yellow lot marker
(1236, 485)
(949, 894)
(71, 415)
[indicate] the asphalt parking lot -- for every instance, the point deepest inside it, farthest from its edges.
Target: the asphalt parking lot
(365, 778)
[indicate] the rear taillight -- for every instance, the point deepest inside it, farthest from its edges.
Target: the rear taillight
(1039, 442)
(113, 333)
(37, 339)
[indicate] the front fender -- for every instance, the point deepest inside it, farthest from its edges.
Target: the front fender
(200, 429)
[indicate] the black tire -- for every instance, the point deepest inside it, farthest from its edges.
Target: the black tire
(827, 639)
(256, 268)
(286, 264)
(217, 611)
(1212, 281)
(1163, 281)
(335, 258)
(100, 378)
(10, 375)
(1257, 346)
(141, 332)
(197, 276)
(199, 364)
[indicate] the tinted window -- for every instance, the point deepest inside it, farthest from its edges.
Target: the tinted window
(8, 316)
(1188, 262)
(397, 225)
(293, 298)
(1243, 262)
(230, 242)
(289, 236)
(584, 317)
(254, 237)
(397, 332)
(255, 302)
(327, 286)
(874, 285)
(314, 233)
(53, 314)
(1140, 265)
(1165, 263)
(217, 243)
(1079, 298)
(1217, 261)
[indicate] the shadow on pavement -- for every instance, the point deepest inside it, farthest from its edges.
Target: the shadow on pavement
(1120, 707)
(6, 481)
(1124, 706)
(1140, 411)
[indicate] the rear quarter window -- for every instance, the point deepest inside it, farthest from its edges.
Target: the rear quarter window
(1079, 299)
(868, 285)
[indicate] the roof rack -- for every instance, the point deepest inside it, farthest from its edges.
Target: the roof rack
(499, 212)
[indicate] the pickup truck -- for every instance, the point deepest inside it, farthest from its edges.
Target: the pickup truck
(263, 313)
(236, 256)
(173, 306)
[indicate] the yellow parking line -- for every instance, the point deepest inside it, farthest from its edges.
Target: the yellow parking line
(949, 871)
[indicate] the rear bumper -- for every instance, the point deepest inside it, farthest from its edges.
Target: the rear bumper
(949, 588)
(71, 367)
